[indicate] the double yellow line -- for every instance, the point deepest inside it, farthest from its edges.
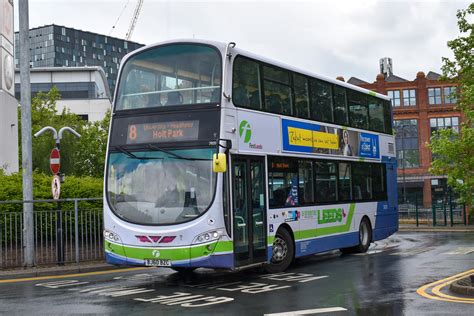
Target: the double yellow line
(437, 286)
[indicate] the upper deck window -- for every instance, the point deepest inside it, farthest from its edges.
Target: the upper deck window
(170, 75)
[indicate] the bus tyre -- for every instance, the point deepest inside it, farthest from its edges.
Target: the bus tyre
(283, 252)
(365, 238)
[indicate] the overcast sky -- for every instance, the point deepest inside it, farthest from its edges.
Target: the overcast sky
(328, 37)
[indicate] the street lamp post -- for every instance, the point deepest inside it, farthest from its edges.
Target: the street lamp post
(59, 222)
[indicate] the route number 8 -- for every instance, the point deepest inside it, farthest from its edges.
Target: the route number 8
(132, 132)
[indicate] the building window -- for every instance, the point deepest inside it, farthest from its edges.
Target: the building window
(444, 123)
(408, 155)
(449, 95)
(409, 97)
(394, 96)
(434, 95)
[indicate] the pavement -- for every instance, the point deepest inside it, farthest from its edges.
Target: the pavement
(20, 273)
(433, 229)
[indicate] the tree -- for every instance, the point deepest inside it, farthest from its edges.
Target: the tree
(83, 156)
(454, 152)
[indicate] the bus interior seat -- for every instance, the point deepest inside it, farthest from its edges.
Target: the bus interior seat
(273, 102)
(255, 100)
(241, 96)
(174, 98)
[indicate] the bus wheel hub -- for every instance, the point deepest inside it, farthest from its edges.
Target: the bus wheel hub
(280, 250)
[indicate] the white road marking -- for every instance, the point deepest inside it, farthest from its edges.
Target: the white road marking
(412, 252)
(460, 251)
(293, 277)
(62, 283)
(186, 300)
(310, 311)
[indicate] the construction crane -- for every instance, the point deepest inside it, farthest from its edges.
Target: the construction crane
(136, 13)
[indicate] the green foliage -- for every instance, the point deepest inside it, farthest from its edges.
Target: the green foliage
(73, 187)
(83, 156)
(454, 153)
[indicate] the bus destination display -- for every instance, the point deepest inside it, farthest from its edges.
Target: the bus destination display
(163, 132)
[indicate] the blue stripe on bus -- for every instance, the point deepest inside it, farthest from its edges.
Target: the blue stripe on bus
(115, 259)
(213, 261)
(317, 245)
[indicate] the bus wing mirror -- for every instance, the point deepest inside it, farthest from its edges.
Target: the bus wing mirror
(219, 162)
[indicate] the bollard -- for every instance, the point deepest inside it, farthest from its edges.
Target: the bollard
(445, 215)
(59, 236)
(451, 209)
(416, 210)
(433, 207)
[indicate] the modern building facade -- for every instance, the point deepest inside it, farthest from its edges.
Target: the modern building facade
(420, 107)
(84, 90)
(60, 46)
(8, 104)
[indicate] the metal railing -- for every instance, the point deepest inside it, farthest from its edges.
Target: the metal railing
(438, 215)
(65, 231)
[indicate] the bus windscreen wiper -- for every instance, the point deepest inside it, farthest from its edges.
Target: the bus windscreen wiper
(173, 155)
(129, 154)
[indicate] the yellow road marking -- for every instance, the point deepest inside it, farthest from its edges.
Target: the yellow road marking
(438, 285)
(71, 275)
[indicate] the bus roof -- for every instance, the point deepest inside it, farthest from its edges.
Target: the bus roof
(222, 48)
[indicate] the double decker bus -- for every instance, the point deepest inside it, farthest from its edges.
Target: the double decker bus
(220, 158)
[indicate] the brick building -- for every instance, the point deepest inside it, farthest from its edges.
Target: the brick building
(420, 106)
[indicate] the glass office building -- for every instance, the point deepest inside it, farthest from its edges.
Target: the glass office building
(59, 46)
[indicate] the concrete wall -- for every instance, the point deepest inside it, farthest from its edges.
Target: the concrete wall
(94, 108)
(8, 133)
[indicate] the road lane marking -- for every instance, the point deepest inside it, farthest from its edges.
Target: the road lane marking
(438, 285)
(184, 299)
(74, 275)
(460, 251)
(310, 311)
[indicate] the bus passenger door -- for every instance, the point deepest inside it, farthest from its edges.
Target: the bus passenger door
(249, 209)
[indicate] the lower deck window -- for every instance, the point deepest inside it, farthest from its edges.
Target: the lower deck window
(300, 182)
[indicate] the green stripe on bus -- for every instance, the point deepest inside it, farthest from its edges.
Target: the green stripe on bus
(318, 232)
(372, 93)
(183, 253)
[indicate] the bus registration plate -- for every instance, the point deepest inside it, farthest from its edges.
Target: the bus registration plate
(158, 262)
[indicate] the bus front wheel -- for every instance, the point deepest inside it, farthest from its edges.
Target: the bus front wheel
(283, 252)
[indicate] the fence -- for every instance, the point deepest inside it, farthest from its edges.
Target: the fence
(442, 214)
(65, 231)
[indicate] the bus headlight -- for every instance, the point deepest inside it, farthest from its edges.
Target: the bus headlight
(208, 236)
(111, 235)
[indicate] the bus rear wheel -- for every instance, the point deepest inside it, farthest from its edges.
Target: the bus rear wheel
(365, 238)
(283, 252)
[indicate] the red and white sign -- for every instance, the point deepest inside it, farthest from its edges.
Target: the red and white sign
(56, 187)
(54, 161)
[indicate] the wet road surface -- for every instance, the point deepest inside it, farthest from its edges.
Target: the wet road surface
(383, 281)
